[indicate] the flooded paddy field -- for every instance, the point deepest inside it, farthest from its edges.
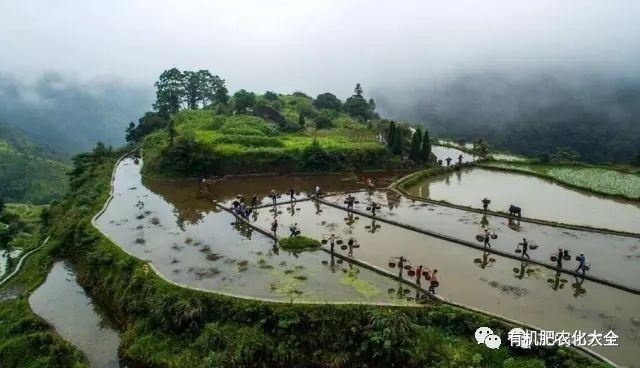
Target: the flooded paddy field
(513, 289)
(538, 198)
(192, 193)
(193, 243)
(64, 304)
(442, 152)
(614, 258)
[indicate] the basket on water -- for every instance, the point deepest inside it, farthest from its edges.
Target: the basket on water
(357, 202)
(343, 247)
(324, 262)
(324, 241)
(553, 258)
(368, 208)
(518, 250)
(411, 273)
(566, 257)
(494, 236)
(392, 264)
(407, 267)
(339, 242)
(356, 245)
(480, 238)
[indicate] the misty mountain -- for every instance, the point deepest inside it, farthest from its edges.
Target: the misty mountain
(597, 116)
(71, 116)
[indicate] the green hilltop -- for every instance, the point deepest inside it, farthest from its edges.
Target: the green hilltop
(197, 129)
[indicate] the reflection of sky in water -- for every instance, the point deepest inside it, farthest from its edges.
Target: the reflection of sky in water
(482, 280)
(442, 153)
(532, 294)
(538, 198)
(193, 243)
(615, 258)
(62, 302)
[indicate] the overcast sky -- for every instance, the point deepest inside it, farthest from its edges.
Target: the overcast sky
(317, 46)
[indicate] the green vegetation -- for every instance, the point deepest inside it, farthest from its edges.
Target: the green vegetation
(596, 179)
(168, 326)
(19, 226)
(299, 243)
(415, 178)
(29, 171)
(351, 278)
(25, 339)
(198, 130)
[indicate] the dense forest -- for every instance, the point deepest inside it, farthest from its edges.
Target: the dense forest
(594, 118)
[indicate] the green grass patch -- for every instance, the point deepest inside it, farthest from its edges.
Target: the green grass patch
(299, 243)
(595, 179)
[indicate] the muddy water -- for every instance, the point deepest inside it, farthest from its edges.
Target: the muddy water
(190, 195)
(194, 244)
(615, 258)
(507, 287)
(538, 198)
(442, 153)
(62, 302)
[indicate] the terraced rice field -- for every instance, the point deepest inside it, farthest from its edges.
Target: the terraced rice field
(599, 180)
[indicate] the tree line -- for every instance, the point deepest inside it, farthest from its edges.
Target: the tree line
(419, 146)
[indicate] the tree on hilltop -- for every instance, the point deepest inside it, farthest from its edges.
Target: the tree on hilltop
(328, 101)
(243, 100)
(169, 92)
(357, 91)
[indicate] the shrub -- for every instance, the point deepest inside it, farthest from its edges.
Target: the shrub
(299, 243)
(249, 140)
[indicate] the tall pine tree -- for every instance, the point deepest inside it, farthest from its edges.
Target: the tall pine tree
(397, 146)
(426, 147)
(415, 151)
(391, 134)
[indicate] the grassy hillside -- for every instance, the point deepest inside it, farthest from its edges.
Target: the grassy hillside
(272, 139)
(29, 171)
(26, 340)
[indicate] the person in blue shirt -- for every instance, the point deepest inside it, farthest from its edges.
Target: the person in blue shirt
(581, 263)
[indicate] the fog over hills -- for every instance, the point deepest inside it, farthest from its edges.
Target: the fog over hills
(596, 115)
(71, 116)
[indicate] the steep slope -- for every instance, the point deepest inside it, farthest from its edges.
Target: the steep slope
(30, 171)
